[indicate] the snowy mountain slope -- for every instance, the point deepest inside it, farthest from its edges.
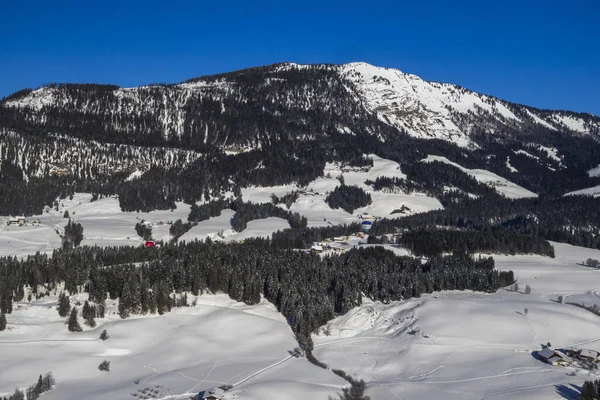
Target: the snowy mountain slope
(62, 155)
(502, 185)
(215, 133)
(445, 111)
(594, 171)
(353, 91)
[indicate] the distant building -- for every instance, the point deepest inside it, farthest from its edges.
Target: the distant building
(553, 357)
(316, 249)
(212, 394)
(589, 355)
(150, 243)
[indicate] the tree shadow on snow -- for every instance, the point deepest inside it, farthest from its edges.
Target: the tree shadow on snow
(570, 392)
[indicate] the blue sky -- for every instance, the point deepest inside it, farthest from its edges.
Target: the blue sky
(541, 53)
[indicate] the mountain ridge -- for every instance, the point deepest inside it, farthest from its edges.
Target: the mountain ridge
(245, 127)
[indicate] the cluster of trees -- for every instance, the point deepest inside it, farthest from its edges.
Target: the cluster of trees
(246, 212)
(592, 263)
(33, 392)
(288, 199)
(348, 198)
(305, 288)
(73, 234)
(143, 230)
(179, 228)
(590, 390)
(304, 238)
(199, 213)
(570, 219)
(432, 242)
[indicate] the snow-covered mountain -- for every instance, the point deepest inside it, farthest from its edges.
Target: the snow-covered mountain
(354, 91)
(444, 111)
(286, 117)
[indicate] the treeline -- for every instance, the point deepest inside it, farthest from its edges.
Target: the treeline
(179, 228)
(434, 242)
(304, 238)
(348, 198)
(432, 178)
(203, 212)
(307, 289)
(246, 212)
(34, 391)
(288, 199)
(590, 390)
(570, 219)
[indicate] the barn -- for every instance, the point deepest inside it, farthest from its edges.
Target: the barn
(150, 243)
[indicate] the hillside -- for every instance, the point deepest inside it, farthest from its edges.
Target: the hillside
(274, 125)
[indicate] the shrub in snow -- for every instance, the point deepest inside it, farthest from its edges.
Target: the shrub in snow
(104, 366)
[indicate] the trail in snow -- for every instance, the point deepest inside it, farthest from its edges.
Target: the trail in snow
(466, 379)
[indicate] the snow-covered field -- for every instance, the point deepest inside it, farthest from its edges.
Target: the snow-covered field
(312, 204)
(104, 224)
(465, 345)
(592, 191)
(217, 342)
(502, 185)
(451, 345)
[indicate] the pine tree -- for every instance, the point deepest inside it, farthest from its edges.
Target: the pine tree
(73, 323)
(588, 391)
(63, 305)
(85, 312)
(47, 382)
(104, 335)
(88, 314)
(2, 322)
(90, 321)
(18, 395)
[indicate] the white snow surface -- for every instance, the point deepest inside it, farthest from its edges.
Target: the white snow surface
(594, 171)
(501, 185)
(538, 120)
(190, 349)
(405, 101)
(574, 124)
(104, 224)
(466, 345)
(312, 203)
(510, 167)
(591, 191)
